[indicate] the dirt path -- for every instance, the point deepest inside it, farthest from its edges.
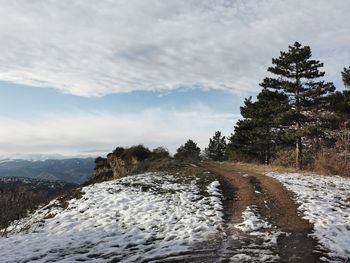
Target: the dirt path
(275, 205)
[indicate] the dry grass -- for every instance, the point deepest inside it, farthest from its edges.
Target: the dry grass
(64, 198)
(331, 163)
(256, 168)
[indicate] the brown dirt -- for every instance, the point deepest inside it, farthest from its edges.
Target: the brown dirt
(275, 204)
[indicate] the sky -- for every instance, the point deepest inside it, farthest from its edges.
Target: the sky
(80, 77)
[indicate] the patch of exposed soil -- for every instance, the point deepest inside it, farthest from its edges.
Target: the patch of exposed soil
(275, 204)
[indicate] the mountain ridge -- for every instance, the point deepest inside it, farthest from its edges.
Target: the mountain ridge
(72, 170)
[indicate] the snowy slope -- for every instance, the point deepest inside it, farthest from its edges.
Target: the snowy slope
(135, 218)
(325, 202)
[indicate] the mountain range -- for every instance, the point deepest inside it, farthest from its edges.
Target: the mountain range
(74, 170)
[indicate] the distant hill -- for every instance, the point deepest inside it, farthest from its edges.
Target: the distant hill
(18, 195)
(34, 184)
(75, 170)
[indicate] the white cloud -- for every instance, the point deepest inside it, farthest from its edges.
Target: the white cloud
(98, 133)
(90, 48)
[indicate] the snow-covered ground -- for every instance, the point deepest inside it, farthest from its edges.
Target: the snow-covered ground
(325, 202)
(157, 216)
(135, 218)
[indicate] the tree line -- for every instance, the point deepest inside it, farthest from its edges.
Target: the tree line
(297, 119)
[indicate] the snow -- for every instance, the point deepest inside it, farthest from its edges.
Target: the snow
(241, 258)
(325, 202)
(251, 221)
(135, 218)
(263, 249)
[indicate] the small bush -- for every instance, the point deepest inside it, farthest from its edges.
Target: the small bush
(285, 158)
(100, 162)
(160, 152)
(99, 159)
(118, 152)
(139, 152)
(239, 156)
(331, 163)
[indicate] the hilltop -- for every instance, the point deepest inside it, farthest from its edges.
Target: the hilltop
(190, 212)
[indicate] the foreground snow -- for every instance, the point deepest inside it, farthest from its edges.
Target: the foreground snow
(135, 218)
(325, 202)
(264, 247)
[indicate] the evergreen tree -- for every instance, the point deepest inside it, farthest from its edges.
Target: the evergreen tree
(160, 152)
(216, 150)
(296, 72)
(259, 135)
(340, 103)
(188, 151)
(346, 77)
(340, 106)
(242, 145)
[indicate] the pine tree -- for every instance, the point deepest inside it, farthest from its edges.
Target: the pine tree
(340, 103)
(216, 150)
(296, 72)
(340, 106)
(259, 135)
(242, 143)
(343, 103)
(188, 151)
(346, 77)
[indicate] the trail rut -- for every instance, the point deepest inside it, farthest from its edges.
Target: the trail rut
(275, 204)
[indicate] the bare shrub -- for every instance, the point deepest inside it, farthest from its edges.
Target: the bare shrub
(18, 198)
(15, 203)
(336, 160)
(285, 158)
(331, 163)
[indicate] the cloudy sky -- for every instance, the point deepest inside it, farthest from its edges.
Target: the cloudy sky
(83, 76)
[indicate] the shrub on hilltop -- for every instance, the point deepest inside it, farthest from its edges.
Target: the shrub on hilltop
(132, 160)
(189, 151)
(160, 152)
(138, 152)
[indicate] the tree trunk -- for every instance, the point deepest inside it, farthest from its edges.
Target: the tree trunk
(346, 150)
(299, 150)
(267, 157)
(299, 154)
(268, 150)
